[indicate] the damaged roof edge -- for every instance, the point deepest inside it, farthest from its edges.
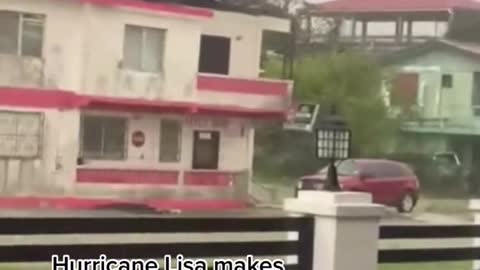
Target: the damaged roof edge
(250, 7)
(401, 55)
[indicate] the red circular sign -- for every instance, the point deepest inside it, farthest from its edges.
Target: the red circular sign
(138, 138)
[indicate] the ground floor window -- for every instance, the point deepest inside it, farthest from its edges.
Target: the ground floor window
(103, 137)
(206, 146)
(170, 140)
(20, 134)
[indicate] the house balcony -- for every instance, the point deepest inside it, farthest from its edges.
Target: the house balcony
(244, 95)
(21, 71)
(459, 126)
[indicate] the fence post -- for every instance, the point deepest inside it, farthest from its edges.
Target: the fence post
(345, 230)
(474, 206)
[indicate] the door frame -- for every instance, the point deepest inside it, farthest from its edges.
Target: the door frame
(215, 136)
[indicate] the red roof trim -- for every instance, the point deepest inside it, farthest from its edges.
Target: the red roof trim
(135, 104)
(40, 98)
(242, 86)
(60, 99)
(224, 110)
(155, 7)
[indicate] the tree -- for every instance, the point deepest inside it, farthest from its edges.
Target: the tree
(351, 81)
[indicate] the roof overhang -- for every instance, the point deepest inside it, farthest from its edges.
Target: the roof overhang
(156, 7)
(414, 51)
(64, 100)
(370, 15)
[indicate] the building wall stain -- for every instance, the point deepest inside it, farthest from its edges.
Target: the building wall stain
(55, 67)
(101, 83)
(20, 71)
(190, 86)
(135, 84)
(154, 87)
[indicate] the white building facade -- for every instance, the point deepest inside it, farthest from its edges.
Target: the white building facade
(125, 98)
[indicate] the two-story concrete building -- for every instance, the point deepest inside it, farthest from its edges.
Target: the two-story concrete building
(441, 81)
(133, 99)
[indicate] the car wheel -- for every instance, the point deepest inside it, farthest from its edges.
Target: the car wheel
(407, 204)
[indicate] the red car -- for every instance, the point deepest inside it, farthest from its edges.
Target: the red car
(391, 183)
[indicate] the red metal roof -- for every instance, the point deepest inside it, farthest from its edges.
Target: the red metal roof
(386, 6)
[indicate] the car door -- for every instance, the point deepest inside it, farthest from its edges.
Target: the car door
(398, 181)
(374, 182)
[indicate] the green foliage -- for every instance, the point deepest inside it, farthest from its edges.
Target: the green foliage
(273, 67)
(353, 83)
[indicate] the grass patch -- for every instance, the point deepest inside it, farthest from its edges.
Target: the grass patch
(428, 266)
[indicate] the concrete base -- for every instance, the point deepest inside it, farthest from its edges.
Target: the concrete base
(346, 228)
(474, 206)
(324, 203)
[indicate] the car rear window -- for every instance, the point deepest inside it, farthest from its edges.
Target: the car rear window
(387, 169)
(347, 167)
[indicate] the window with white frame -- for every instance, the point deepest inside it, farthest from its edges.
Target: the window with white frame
(21, 33)
(103, 137)
(143, 49)
(170, 140)
(20, 134)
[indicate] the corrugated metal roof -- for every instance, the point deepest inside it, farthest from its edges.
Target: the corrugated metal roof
(386, 6)
(465, 46)
(468, 48)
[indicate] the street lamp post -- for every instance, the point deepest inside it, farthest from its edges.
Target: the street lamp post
(333, 139)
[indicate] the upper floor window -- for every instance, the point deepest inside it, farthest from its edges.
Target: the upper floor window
(214, 55)
(21, 33)
(143, 48)
(276, 52)
(103, 137)
(447, 81)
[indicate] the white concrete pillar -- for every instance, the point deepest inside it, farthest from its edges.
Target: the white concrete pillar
(346, 228)
(475, 208)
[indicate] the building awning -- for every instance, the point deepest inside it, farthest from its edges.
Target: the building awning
(153, 106)
(137, 105)
(60, 99)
